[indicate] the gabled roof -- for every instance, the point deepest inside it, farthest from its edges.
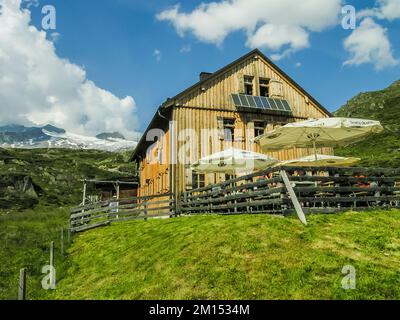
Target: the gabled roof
(255, 52)
(170, 102)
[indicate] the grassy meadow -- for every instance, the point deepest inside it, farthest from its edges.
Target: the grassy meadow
(237, 257)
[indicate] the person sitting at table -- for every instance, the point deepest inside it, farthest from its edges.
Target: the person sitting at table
(361, 184)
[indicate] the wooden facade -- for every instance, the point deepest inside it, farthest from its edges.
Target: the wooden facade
(193, 124)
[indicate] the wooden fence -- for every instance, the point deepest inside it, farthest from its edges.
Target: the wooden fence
(103, 213)
(278, 190)
(317, 189)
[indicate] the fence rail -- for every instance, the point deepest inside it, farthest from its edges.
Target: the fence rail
(317, 189)
(103, 213)
(278, 190)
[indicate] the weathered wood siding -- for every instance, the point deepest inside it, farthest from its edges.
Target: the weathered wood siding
(216, 93)
(155, 168)
(201, 107)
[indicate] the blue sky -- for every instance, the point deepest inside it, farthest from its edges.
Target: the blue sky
(115, 42)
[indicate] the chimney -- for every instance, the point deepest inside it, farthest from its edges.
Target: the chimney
(205, 75)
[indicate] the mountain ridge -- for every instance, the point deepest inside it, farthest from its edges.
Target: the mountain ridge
(49, 136)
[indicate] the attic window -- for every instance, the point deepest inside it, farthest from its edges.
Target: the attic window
(248, 85)
(264, 87)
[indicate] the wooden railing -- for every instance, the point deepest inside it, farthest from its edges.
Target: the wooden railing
(103, 213)
(323, 189)
(278, 190)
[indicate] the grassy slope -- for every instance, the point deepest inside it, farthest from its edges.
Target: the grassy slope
(237, 257)
(382, 149)
(25, 235)
(24, 243)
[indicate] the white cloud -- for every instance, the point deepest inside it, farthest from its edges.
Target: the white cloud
(157, 54)
(298, 64)
(186, 48)
(55, 36)
(30, 3)
(386, 9)
(369, 44)
(271, 24)
(275, 37)
(38, 87)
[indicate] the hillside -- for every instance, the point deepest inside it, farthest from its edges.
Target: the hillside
(236, 257)
(37, 189)
(382, 149)
(52, 176)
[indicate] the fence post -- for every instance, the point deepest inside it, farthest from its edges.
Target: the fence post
(22, 285)
(62, 242)
(145, 210)
(52, 254)
(84, 193)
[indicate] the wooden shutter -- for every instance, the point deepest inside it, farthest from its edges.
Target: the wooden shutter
(220, 126)
(240, 84)
(276, 89)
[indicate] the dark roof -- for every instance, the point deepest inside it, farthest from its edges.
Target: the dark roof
(256, 52)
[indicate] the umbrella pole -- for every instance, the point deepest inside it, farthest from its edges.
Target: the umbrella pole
(315, 149)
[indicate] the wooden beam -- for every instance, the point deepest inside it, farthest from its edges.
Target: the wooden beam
(293, 197)
(22, 285)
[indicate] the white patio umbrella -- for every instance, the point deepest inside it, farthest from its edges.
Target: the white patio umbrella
(326, 132)
(320, 160)
(233, 161)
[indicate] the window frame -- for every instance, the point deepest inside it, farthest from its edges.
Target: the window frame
(265, 86)
(198, 180)
(248, 82)
(229, 127)
(259, 125)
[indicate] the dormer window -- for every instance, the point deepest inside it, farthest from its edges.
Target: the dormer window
(248, 85)
(264, 87)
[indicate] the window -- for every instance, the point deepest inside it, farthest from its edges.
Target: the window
(198, 180)
(248, 85)
(229, 129)
(229, 177)
(264, 87)
(259, 128)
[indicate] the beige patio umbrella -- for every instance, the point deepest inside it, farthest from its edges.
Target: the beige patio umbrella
(326, 132)
(233, 161)
(320, 160)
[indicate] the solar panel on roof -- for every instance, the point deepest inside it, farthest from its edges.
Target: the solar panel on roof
(286, 105)
(236, 99)
(279, 104)
(273, 104)
(251, 101)
(265, 103)
(258, 102)
(247, 101)
(243, 100)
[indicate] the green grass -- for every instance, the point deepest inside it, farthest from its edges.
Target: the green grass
(237, 257)
(57, 172)
(25, 235)
(24, 243)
